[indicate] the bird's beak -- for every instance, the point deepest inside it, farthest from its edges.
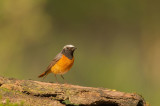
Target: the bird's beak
(74, 48)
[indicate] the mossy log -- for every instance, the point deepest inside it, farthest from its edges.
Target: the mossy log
(36, 93)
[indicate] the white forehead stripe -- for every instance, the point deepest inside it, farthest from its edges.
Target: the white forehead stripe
(68, 46)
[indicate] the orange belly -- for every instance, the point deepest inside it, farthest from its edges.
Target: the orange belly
(63, 65)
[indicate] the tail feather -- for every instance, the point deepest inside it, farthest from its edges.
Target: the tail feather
(44, 74)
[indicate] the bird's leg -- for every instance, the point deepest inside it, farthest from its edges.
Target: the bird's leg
(56, 78)
(45, 76)
(63, 78)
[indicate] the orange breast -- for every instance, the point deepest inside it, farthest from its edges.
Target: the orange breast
(63, 65)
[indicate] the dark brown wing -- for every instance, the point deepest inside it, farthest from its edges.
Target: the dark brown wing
(58, 57)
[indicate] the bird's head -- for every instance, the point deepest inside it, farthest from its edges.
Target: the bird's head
(68, 50)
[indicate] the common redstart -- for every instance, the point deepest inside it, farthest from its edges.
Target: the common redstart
(62, 63)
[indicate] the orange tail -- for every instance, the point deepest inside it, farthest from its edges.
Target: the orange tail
(44, 74)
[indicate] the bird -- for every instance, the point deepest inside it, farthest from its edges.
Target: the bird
(62, 62)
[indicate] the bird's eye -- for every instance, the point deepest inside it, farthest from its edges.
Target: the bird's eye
(67, 48)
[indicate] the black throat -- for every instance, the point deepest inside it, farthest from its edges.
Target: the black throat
(68, 54)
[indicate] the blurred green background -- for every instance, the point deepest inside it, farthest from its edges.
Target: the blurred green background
(118, 42)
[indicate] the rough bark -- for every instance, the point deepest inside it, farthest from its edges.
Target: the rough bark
(35, 93)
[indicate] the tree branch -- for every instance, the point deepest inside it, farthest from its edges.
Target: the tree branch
(42, 93)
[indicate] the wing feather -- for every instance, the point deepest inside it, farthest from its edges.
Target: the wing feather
(54, 61)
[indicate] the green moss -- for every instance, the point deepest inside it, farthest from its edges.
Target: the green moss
(5, 89)
(8, 103)
(12, 91)
(67, 102)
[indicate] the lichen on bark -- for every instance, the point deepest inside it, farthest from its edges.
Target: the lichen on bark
(44, 94)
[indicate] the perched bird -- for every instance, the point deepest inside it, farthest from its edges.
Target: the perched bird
(62, 63)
